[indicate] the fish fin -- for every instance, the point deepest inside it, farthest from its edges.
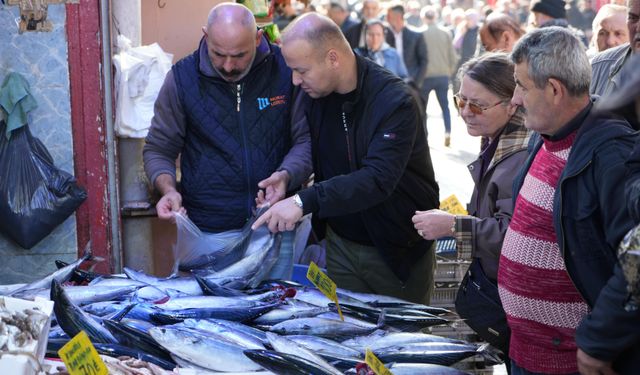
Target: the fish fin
(121, 314)
(382, 318)
(490, 354)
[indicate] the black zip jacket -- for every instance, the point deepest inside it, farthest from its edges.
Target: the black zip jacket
(391, 173)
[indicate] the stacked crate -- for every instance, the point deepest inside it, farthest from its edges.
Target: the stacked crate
(448, 275)
(451, 267)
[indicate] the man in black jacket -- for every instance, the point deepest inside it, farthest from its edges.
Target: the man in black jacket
(371, 162)
(410, 44)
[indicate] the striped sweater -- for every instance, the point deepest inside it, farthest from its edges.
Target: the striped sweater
(543, 306)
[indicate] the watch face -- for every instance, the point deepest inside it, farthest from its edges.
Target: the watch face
(297, 200)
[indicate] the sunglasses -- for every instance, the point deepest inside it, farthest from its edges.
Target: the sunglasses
(474, 108)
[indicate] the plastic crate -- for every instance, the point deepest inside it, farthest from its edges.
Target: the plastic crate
(300, 274)
(446, 247)
(451, 271)
(444, 297)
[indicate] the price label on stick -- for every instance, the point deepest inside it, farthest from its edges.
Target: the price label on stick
(375, 364)
(81, 358)
(452, 205)
(325, 284)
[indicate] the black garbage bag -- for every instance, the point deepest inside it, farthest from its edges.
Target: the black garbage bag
(35, 196)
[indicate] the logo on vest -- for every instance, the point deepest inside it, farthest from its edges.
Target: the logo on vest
(271, 102)
(263, 103)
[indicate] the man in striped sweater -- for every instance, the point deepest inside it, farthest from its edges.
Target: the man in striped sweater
(558, 277)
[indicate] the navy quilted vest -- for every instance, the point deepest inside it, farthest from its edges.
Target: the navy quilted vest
(228, 151)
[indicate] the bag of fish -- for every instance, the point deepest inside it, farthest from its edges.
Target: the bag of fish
(193, 246)
(197, 250)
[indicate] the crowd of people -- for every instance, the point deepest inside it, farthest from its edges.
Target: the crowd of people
(551, 88)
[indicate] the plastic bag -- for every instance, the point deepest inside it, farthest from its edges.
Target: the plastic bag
(195, 249)
(140, 73)
(35, 196)
(206, 253)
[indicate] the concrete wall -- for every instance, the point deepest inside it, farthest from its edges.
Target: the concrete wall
(41, 57)
(177, 27)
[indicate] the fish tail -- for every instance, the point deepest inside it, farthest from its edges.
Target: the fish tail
(87, 255)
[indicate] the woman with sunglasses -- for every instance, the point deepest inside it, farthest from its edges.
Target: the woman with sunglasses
(484, 102)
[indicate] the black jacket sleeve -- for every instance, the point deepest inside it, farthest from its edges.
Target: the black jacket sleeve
(632, 190)
(609, 329)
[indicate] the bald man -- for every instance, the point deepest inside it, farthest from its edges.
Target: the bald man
(371, 162)
(356, 34)
(226, 109)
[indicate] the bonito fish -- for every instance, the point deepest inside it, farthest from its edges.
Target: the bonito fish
(203, 351)
(73, 320)
(60, 275)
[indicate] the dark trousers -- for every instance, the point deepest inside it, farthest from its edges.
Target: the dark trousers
(362, 269)
(441, 85)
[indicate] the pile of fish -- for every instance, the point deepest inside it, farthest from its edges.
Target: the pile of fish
(231, 320)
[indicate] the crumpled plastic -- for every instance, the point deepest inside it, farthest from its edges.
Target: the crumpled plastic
(140, 73)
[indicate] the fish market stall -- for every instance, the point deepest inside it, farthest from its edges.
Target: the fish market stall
(225, 317)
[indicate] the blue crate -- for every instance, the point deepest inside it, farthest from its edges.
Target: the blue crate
(446, 247)
(300, 274)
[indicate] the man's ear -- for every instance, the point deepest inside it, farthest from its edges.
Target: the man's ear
(559, 91)
(204, 31)
(332, 57)
(259, 37)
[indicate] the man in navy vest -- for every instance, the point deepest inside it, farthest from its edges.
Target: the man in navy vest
(227, 111)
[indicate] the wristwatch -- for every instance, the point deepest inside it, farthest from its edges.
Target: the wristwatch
(298, 201)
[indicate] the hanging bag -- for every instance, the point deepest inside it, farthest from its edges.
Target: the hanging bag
(478, 302)
(35, 196)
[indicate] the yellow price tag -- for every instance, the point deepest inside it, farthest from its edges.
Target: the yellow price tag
(81, 358)
(325, 284)
(375, 364)
(453, 206)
